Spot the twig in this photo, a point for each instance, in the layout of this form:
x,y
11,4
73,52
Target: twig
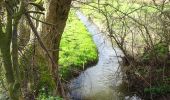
x,y
41,21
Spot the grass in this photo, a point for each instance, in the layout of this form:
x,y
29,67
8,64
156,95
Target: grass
x,y
77,47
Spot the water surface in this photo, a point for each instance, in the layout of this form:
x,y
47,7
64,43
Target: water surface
x,y
98,82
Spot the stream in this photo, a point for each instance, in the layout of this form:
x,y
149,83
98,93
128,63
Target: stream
x,y
98,82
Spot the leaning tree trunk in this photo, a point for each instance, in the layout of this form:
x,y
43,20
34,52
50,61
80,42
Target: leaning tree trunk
x,y
56,14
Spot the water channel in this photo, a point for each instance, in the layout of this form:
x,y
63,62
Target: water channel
x,y
98,82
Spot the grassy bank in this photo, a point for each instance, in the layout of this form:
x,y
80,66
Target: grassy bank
x,y
77,48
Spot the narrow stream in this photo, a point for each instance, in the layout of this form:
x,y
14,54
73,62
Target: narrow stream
x,y
98,82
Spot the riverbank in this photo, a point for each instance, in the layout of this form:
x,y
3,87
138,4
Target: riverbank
x,y
136,27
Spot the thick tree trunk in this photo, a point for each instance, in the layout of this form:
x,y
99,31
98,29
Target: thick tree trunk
x,y
56,13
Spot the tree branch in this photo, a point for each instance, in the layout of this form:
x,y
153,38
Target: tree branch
x,y
55,75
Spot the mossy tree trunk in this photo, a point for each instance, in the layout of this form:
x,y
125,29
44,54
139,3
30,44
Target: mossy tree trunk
x,y
5,42
56,13
8,37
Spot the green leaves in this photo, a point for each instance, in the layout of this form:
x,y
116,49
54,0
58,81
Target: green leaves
x,y
158,90
160,49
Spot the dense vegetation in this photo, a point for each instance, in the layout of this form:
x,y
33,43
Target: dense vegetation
x,y
140,29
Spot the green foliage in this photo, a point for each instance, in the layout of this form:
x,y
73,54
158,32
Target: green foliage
x,y
44,96
161,50
158,90
38,75
77,47
45,76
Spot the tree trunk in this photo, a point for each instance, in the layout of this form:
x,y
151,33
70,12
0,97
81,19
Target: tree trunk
x,y
6,55
10,61
56,14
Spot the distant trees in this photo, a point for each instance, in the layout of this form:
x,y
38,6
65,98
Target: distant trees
x,y
12,13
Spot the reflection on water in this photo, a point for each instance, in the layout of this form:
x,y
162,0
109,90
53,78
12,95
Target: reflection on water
x,y
98,82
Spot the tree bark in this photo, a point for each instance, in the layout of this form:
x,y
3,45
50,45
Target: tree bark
x,y
10,61
56,14
6,55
